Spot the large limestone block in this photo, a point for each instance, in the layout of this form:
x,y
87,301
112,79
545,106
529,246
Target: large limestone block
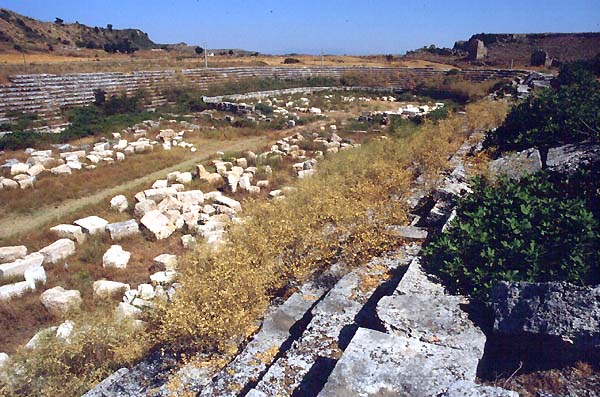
x,y
158,224
19,168
157,195
92,224
214,179
167,262
517,165
554,310
58,250
126,311
436,319
12,253
36,170
378,364
109,289
59,301
119,203
568,158
116,257
61,170
15,290
35,275
229,202
191,197
120,230
184,177
144,206
169,203
71,232
18,267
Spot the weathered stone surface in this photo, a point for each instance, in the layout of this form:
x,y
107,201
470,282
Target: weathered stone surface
x,y
158,224
71,232
116,257
119,203
18,267
191,197
36,170
144,206
433,319
3,360
167,262
58,251
64,331
61,170
12,253
516,165
126,311
568,158
120,230
169,203
109,289
19,168
34,276
463,388
378,364
10,291
229,202
158,195
59,301
188,241
163,277
92,224
556,309
184,177
416,281
409,232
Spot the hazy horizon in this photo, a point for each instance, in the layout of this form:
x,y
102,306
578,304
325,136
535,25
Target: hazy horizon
x,y
309,27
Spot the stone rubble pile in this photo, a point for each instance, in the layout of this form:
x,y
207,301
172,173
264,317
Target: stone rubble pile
x,y
64,159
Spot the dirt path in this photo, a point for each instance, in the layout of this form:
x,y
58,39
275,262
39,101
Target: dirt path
x,y
21,224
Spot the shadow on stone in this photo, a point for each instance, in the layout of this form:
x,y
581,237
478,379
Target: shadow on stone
x,y
315,379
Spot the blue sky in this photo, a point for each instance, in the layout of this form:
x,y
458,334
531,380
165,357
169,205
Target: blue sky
x,y
338,27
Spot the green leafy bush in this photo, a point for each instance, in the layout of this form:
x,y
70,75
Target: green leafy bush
x,y
566,115
527,230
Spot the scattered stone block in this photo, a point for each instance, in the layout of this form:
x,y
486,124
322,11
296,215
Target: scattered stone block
x,y
3,360
158,224
126,311
71,232
36,170
61,170
34,276
116,257
184,177
64,331
58,251
59,301
145,292
18,267
188,241
229,202
144,206
92,224
409,232
12,253
119,203
120,230
163,277
191,197
15,290
105,289
167,262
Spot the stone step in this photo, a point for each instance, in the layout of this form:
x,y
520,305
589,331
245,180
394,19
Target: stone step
x,y
305,366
